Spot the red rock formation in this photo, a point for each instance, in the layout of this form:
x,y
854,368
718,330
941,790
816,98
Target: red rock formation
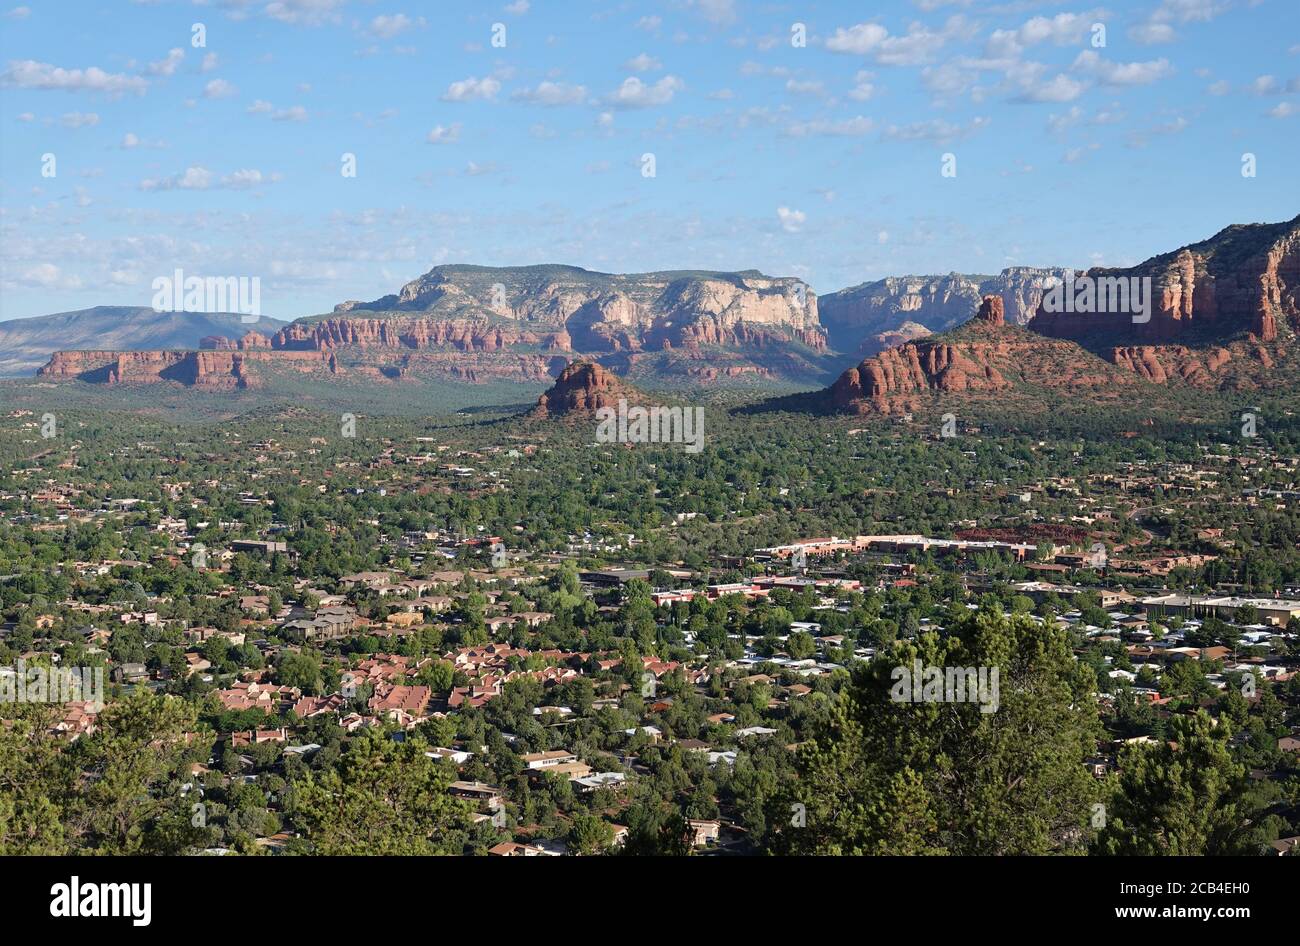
x,y
582,387
74,364
991,312
1245,280
251,341
413,334
211,369
982,358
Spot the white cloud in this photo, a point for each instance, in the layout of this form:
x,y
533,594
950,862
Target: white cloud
x,y
643,63
472,89
194,179
29,74
717,11
168,66
916,47
219,89
1222,87
947,79
1062,29
1109,72
305,12
1283,110
650,24
200,179
295,113
19,13
243,179
386,26
130,140
849,128
859,40
444,134
935,129
1060,88
1074,155
804,86
791,220
863,89
1151,34
209,62
1159,26
552,94
518,8
79,120
1060,123
634,93
42,276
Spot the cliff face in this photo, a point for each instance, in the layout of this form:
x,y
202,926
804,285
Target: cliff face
x,y
582,387
207,369
210,369
250,341
563,308
854,316
413,334
1223,315
1244,282
983,357
481,324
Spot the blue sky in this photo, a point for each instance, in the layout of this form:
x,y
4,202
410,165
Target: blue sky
x,y
821,161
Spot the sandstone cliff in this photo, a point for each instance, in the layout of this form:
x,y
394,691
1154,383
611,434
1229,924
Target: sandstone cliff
x,y
983,358
1243,282
209,369
564,308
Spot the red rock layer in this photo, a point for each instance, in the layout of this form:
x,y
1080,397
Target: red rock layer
x,y
414,334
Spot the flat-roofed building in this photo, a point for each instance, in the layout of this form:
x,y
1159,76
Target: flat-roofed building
x,y
1274,611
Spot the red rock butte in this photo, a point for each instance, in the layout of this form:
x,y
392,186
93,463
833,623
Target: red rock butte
x,y
991,312
583,387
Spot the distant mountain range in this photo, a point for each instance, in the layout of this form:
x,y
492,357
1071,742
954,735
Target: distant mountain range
x,y
1223,315
477,323
873,316
26,344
